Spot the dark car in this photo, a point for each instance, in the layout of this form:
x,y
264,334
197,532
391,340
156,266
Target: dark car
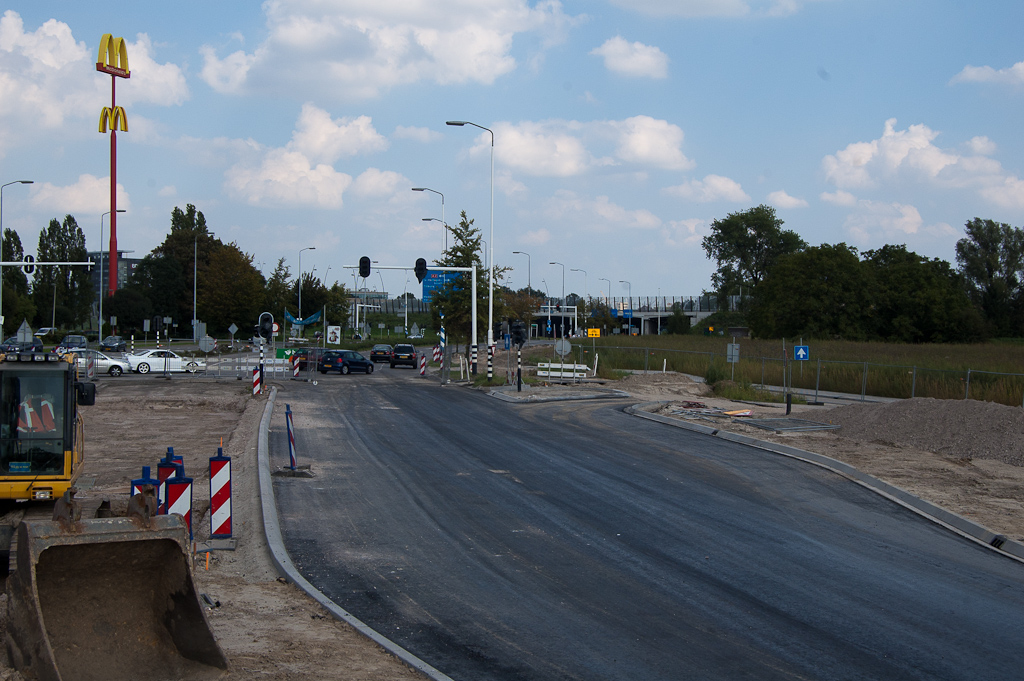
x,y
12,344
113,344
308,356
403,354
344,361
72,342
380,353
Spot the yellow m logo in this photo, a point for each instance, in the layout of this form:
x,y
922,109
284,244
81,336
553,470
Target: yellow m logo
x,y
113,119
113,56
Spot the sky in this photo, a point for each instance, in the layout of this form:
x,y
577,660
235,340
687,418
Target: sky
x,y
621,128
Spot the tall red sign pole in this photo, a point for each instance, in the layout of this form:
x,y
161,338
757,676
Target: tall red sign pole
x,y
113,59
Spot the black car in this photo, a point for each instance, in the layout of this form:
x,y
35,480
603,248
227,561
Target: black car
x,y
380,353
344,361
403,354
309,355
12,344
113,344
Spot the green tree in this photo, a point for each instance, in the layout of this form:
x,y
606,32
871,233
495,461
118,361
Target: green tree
x,y
337,302
454,298
679,322
62,286
130,307
279,292
231,290
745,246
990,258
160,279
520,305
17,303
820,292
917,300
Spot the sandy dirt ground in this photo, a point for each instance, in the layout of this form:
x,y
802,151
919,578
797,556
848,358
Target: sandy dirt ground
x,y
963,456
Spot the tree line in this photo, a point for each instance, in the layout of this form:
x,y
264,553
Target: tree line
x,y
191,262
787,288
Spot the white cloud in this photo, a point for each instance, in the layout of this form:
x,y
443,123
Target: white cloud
x,y
89,195
376,183
679,233
783,200
417,134
537,237
651,141
357,48
711,188
598,213
162,84
544,148
839,198
320,138
712,8
911,154
287,177
874,221
1014,75
633,59
168,190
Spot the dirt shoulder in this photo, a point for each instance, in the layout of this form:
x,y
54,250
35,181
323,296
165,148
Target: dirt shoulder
x,y
267,628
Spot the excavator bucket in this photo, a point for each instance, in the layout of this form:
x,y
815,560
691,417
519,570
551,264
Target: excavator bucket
x,y
108,598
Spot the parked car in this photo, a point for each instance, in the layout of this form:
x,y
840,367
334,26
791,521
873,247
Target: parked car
x,y
344,361
45,331
403,354
12,344
144,361
102,364
114,344
307,356
380,353
70,342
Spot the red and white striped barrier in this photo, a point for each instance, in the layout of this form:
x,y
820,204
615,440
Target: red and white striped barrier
x,y
255,381
437,353
423,365
179,499
295,366
139,483
220,496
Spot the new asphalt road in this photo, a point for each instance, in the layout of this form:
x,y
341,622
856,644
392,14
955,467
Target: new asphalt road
x,y
571,541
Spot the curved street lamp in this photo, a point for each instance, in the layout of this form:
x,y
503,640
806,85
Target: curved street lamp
x,y
444,227
490,271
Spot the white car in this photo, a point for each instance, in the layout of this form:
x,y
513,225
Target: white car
x,y
145,361
102,363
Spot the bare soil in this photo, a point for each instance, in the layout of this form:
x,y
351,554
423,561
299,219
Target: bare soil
x,y
964,456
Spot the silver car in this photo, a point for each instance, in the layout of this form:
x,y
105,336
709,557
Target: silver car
x,y
102,363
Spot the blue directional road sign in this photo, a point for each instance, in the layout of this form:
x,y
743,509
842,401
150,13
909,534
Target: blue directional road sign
x,y
508,341
628,314
801,353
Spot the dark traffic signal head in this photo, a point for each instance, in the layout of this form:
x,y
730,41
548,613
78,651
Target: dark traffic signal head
x,y
364,267
420,269
266,326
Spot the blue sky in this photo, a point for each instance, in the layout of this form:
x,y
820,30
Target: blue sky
x,y
623,128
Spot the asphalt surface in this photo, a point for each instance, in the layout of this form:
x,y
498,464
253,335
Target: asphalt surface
x,y
572,541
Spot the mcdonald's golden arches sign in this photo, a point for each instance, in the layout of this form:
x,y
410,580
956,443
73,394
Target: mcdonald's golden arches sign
x,y
113,56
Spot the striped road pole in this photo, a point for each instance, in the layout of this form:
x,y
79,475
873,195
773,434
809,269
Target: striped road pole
x,y
472,359
220,495
423,364
179,499
291,434
138,483
255,381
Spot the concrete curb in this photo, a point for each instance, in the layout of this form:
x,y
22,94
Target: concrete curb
x,y
957,523
283,561
612,394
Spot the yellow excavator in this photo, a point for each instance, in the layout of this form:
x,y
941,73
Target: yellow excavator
x,y
98,598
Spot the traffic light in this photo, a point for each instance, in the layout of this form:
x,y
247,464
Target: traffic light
x,y
420,269
518,333
266,325
364,267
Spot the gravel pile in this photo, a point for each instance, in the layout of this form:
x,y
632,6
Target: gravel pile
x,y
960,429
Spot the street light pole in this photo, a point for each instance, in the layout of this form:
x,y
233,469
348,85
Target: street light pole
x,y
1,237
629,287
444,226
607,299
490,271
528,287
308,248
561,318
586,297
99,332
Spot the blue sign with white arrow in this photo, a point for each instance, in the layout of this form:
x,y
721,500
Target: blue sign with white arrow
x,y
801,353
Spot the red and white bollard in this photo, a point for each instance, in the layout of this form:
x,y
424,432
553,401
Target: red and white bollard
x,y
138,483
255,381
295,366
437,353
220,496
179,499
423,365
